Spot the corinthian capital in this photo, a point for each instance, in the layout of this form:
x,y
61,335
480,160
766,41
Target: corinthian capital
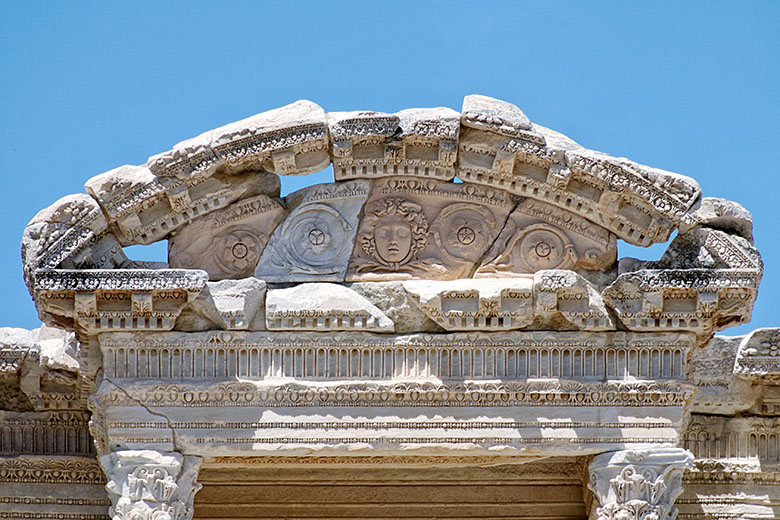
x,y
638,484
150,485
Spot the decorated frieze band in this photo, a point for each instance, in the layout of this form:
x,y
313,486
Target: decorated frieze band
x,y
259,356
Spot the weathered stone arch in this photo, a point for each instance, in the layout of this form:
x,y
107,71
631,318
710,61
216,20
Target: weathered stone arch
x,y
438,323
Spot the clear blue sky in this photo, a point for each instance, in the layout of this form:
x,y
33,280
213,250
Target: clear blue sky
x,y
690,87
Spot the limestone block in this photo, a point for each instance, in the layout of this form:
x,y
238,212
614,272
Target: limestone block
x,y
290,140
322,307
758,356
146,208
725,215
538,236
723,437
226,243
730,488
17,348
564,298
415,228
494,115
468,304
392,299
639,204
93,301
237,301
151,485
712,371
71,232
315,240
706,281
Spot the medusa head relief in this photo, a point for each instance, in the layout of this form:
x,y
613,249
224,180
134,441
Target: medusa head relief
x,y
395,232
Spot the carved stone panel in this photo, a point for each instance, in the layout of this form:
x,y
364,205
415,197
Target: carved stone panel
x,y
414,228
416,142
542,236
758,356
315,240
487,304
289,140
499,147
226,243
322,307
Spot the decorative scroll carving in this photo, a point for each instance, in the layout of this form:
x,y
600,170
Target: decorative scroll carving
x,y
322,307
51,470
415,228
417,142
638,484
97,301
317,236
150,485
226,243
541,236
543,393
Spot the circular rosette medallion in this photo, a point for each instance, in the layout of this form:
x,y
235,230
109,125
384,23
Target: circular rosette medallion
x,y
543,247
464,231
317,237
237,251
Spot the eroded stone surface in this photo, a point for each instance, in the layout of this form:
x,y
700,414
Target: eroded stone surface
x,y
485,304
290,140
725,215
315,240
565,297
227,243
322,307
539,236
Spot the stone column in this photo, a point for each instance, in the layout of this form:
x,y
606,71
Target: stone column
x,y
638,484
151,485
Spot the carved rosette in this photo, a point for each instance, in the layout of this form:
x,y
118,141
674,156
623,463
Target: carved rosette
x,y
151,485
638,484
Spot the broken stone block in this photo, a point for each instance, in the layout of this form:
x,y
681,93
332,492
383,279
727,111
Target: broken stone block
x,y
228,242
392,299
238,301
712,371
539,236
416,228
322,307
95,301
725,215
564,297
290,140
641,205
146,208
315,240
758,356
71,232
468,304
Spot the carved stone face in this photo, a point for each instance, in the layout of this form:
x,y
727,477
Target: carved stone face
x,y
393,236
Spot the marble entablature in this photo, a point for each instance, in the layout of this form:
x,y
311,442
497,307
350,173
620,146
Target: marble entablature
x,y
454,299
